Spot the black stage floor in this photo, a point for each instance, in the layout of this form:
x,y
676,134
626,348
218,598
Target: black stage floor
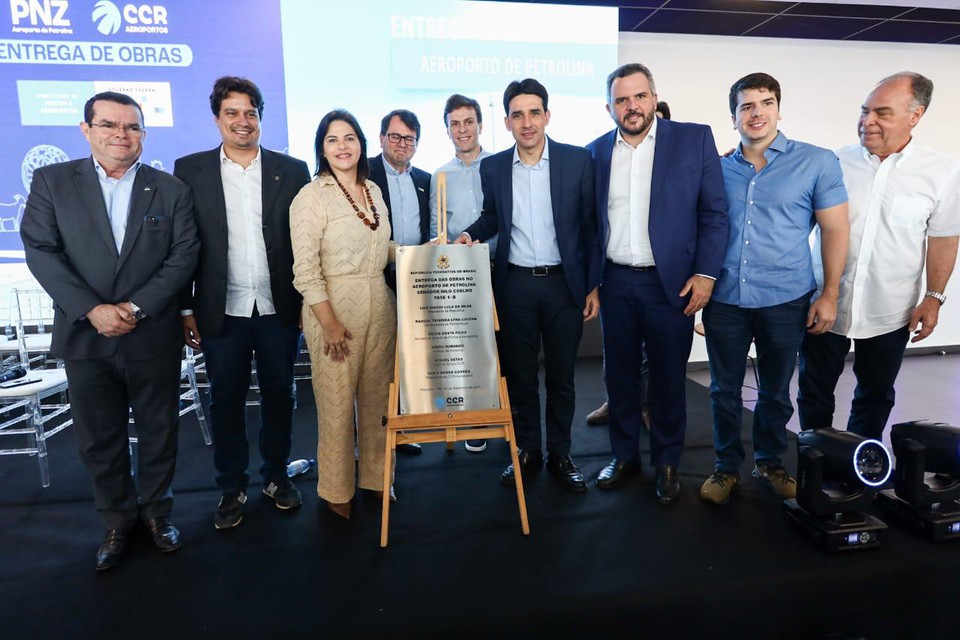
x,y
457,565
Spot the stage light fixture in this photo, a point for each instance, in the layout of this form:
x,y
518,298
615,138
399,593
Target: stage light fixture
x,y
926,494
838,475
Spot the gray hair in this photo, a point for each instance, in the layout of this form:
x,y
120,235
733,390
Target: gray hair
x,y
920,86
628,70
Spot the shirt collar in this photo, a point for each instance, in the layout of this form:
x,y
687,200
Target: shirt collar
x,y
652,134
102,173
778,146
898,157
543,158
393,172
480,156
224,159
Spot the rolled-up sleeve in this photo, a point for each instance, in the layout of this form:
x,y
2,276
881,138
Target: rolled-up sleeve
x,y
308,221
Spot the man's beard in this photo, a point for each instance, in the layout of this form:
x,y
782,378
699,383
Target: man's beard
x,y
644,125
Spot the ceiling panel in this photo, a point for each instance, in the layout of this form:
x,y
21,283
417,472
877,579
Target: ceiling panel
x,y
882,20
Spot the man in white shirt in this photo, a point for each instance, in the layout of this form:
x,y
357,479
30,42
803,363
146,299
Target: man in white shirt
x,y
662,224
241,302
904,227
464,122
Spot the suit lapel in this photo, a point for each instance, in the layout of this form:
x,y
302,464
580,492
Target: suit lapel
x,y
661,165
144,188
271,179
212,189
506,196
556,182
91,198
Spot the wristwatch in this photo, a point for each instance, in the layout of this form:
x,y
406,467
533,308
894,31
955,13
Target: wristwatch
x,y
138,313
936,295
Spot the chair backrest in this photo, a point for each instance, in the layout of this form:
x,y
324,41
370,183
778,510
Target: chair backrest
x,y
32,308
32,314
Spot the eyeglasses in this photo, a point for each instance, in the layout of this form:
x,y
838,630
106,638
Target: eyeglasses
x,y
395,138
132,129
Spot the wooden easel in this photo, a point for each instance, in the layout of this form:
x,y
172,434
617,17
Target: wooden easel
x,y
450,426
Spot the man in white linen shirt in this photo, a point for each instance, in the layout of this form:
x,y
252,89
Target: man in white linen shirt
x,y
904,226
241,302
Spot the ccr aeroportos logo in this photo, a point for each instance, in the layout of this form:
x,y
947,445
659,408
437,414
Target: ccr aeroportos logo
x,y
135,18
106,17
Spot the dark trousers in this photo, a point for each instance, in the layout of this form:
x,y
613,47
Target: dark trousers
x,y
103,391
228,358
876,364
535,309
777,331
636,314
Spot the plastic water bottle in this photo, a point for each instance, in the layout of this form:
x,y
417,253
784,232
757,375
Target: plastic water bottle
x,y
297,467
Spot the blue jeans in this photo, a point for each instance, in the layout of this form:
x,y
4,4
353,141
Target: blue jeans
x,y
228,358
876,364
777,332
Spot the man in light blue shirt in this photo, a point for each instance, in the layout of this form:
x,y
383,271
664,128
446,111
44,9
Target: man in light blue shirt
x,y
539,197
406,191
464,122
777,189
405,188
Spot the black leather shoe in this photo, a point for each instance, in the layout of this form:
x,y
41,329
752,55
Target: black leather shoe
x,y
530,463
111,551
667,487
165,535
564,469
617,473
410,448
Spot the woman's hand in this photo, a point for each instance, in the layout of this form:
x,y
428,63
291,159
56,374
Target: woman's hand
x,y
335,341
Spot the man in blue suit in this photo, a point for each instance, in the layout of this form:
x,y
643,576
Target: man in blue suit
x,y
662,217
539,196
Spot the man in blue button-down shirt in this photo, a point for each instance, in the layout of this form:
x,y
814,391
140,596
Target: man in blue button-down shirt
x,y
776,189
539,196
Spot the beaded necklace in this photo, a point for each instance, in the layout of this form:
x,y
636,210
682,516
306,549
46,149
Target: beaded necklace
x,y
346,194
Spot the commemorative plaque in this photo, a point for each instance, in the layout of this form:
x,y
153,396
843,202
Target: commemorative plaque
x,y
445,335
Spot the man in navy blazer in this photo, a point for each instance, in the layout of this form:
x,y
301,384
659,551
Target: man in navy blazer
x,y
398,179
539,196
241,303
406,192
663,225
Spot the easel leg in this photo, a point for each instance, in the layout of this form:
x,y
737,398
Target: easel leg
x,y
387,473
518,481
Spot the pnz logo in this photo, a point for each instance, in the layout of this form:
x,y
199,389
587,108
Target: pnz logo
x,y
49,13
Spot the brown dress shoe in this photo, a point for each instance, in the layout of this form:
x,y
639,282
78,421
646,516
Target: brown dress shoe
x,y
379,495
342,509
600,415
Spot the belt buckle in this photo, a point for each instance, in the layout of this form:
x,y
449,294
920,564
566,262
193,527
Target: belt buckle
x,y
540,271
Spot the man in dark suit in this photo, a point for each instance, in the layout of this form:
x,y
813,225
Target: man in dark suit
x,y
663,225
241,303
406,191
539,196
113,242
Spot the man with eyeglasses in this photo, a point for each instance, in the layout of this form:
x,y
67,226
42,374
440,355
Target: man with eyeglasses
x,y
406,191
241,304
113,241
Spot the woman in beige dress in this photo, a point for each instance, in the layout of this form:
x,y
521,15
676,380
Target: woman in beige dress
x,y
341,244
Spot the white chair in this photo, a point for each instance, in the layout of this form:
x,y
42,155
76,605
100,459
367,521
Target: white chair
x,y
24,409
189,401
190,393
